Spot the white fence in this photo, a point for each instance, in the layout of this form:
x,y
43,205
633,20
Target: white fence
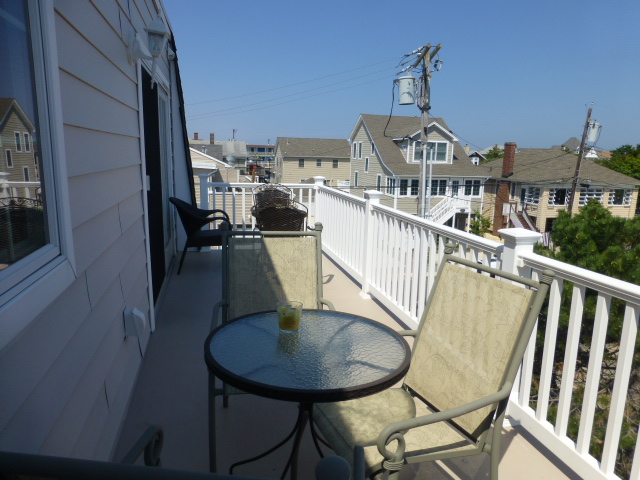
x,y
563,386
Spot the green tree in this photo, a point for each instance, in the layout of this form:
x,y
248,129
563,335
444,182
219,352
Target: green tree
x,y
625,159
479,225
494,154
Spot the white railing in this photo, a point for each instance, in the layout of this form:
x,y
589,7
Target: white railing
x,y
562,386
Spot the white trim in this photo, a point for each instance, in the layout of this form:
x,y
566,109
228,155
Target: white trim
x,y
42,276
145,205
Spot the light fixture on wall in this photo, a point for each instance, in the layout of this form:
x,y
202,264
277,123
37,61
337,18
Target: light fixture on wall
x,y
152,49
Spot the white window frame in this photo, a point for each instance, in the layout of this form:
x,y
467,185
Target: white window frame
x,y
391,186
531,195
413,187
366,165
354,152
553,193
359,149
472,184
25,174
48,271
626,197
455,188
27,142
590,193
17,137
373,148
440,188
413,152
431,152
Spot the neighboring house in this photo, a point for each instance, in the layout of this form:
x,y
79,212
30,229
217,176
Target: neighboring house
x,y
538,182
208,147
298,160
19,174
261,152
386,155
477,157
216,170
572,145
112,148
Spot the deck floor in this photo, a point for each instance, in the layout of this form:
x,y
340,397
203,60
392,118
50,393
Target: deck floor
x,y
171,391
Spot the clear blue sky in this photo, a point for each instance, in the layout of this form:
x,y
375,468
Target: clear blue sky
x,y
519,71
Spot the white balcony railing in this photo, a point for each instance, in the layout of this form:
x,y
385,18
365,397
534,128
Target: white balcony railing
x,y
562,396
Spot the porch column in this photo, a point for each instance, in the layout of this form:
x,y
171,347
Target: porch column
x,y
204,190
373,198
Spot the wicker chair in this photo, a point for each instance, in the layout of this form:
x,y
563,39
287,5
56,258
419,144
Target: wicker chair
x,y
280,215
273,194
193,219
466,353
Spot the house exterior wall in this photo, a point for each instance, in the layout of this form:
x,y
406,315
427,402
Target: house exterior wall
x,y
66,358
367,179
288,170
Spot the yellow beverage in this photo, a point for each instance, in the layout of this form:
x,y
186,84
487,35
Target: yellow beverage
x,y
289,314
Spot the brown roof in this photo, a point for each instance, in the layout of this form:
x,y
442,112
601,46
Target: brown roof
x,y
546,166
391,156
313,147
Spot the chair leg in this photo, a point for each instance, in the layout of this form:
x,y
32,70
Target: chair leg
x,y
184,252
212,425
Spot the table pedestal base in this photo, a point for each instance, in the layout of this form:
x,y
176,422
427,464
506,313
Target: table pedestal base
x,y
305,415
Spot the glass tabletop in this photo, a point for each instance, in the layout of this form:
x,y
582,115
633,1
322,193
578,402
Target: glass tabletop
x,y
332,356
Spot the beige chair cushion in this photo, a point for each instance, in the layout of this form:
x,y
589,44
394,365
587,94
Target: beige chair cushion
x,y
467,341
360,421
265,270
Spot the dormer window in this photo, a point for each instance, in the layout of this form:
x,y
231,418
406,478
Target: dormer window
x,y
437,152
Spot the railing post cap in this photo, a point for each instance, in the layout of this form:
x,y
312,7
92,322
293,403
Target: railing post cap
x,y
319,180
373,194
519,236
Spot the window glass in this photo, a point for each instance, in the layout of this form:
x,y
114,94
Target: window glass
x,y
437,151
319,162
455,186
378,182
558,196
335,164
403,187
22,207
591,193
620,196
414,187
366,164
532,195
355,179
417,151
472,188
438,187
391,186
301,163
373,148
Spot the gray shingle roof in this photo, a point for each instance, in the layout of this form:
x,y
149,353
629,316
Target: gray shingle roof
x,y
545,166
313,147
391,155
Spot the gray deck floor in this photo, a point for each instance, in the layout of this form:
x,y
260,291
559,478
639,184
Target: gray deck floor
x,y
171,391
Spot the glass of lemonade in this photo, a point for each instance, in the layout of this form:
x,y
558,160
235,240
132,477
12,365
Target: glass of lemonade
x,y
289,313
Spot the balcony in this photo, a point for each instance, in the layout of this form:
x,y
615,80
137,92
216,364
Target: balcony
x,y
379,263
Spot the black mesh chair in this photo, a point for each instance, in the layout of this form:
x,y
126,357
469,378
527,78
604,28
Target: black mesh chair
x,y
193,219
273,194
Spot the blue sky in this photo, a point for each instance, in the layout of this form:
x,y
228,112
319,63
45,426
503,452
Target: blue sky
x,y
519,71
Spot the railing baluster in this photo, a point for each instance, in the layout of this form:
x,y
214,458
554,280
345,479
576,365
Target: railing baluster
x,y
548,352
570,357
593,374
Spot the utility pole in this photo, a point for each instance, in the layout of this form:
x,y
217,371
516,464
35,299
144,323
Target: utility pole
x,y
574,185
425,57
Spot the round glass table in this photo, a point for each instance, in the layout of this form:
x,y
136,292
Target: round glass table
x,y
333,356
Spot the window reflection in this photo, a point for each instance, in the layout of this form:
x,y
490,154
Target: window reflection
x,y
22,210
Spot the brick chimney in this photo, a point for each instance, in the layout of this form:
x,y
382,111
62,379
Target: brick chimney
x,y
195,136
212,138
502,195
509,158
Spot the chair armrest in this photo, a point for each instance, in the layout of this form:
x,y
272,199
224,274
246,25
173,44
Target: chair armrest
x,y
396,429
408,333
326,302
150,443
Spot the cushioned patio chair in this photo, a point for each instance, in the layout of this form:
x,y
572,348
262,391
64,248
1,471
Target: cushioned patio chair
x,y
193,219
258,270
466,353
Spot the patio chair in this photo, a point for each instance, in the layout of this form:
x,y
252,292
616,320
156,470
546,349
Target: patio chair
x,y
258,270
280,215
272,192
193,219
466,353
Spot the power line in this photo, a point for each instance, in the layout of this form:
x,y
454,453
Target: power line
x,y
200,115
292,84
